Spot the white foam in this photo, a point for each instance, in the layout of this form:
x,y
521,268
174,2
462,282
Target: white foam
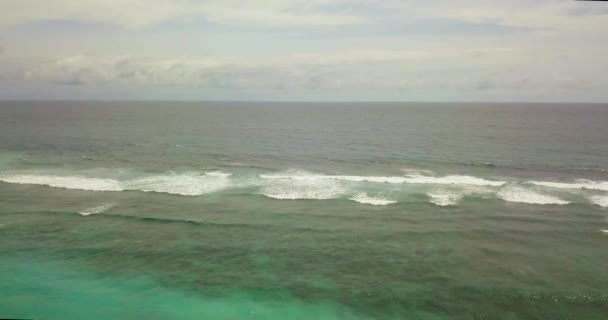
x,y
601,201
362,197
66,182
604,231
523,195
218,174
417,171
303,189
97,209
453,180
445,198
181,184
413,179
189,184
580,184
318,177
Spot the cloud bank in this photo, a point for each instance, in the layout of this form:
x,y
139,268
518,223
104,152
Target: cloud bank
x,y
311,50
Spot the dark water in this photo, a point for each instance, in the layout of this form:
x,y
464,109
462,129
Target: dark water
x,y
166,210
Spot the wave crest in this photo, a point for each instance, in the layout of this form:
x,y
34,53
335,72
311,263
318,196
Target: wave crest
x,y
601,201
363,198
182,184
66,182
453,180
412,178
523,195
303,189
97,209
190,184
444,199
580,184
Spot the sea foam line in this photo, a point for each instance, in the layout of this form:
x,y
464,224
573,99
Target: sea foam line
x,y
66,182
523,195
444,199
580,184
97,209
305,189
189,184
601,201
363,198
412,179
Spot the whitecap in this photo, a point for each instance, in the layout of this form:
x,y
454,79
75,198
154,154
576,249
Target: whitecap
x,y
218,174
412,179
362,197
189,184
319,177
97,209
580,184
523,195
601,201
181,184
604,231
303,189
66,182
410,171
444,198
453,180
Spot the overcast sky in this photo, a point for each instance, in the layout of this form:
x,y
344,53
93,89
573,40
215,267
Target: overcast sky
x,y
349,50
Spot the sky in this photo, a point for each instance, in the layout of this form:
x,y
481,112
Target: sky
x,y
305,50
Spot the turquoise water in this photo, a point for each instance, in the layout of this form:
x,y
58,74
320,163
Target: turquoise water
x,y
303,211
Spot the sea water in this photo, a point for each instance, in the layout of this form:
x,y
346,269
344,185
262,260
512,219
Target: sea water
x,y
175,210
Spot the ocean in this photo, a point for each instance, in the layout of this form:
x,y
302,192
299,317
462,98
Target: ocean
x,y
268,210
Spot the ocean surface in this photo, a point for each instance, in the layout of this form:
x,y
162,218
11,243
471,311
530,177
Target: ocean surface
x,y
173,210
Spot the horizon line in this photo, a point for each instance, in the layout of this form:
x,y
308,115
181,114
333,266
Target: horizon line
x,y
300,101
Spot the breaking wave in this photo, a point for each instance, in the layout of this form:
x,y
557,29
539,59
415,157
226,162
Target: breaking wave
x,y
362,197
66,182
453,180
190,184
412,179
97,209
444,199
523,195
446,190
182,184
303,189
580,184
601,201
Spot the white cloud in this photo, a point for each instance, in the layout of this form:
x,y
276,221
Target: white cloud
x,y
540,14
141,13
558,52
482,69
